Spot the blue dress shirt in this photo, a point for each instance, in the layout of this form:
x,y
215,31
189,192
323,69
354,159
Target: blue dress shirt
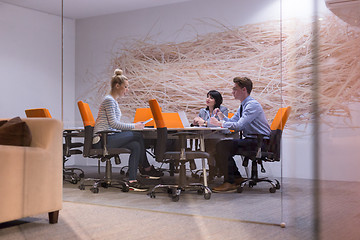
x,y
252,121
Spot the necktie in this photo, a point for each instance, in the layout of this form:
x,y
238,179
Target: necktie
x,y
241,110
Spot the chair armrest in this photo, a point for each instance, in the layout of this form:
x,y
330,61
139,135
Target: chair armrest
x,y
260,138
104,135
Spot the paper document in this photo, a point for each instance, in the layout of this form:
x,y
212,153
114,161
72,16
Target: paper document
x,y
147,121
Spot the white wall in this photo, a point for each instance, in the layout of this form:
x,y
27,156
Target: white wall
x,y
30,60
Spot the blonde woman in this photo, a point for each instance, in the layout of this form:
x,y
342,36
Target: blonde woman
x,y
109,118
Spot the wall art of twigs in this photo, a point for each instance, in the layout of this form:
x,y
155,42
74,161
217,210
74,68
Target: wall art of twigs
x,y
279,61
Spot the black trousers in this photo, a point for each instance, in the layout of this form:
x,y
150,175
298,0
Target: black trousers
x,y
226,149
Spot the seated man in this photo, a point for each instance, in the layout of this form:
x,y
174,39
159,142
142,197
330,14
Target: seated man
x,y
250,119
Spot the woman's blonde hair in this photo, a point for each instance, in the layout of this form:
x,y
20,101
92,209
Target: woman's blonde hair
x,y
117,78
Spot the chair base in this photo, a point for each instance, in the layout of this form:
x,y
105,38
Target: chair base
x,y
71,176
174,191
253,181
105,183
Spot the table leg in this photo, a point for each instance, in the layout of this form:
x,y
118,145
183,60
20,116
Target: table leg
x,y
182,171
202,148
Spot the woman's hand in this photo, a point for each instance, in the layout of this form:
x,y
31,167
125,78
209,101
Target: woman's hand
x,y
198,121
218,113
139,125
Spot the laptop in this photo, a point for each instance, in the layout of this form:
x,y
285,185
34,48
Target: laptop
x,y
184,119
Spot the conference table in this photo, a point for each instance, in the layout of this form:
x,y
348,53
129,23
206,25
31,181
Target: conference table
x,y
200,133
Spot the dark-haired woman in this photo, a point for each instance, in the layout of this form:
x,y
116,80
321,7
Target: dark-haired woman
x,y
213,101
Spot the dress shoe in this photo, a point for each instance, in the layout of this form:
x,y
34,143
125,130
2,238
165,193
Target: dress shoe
x,y
225,187
212,173
239,180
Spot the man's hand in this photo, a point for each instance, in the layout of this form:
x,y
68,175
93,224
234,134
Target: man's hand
x,y
215,122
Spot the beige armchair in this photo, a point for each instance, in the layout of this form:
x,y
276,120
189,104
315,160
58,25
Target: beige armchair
x,y
31,177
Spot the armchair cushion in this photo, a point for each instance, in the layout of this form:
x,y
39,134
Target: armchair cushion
x,y
15,132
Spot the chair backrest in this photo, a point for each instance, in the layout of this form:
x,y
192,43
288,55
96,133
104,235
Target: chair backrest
x,y
172,120
143,114
38,112
86,114
161,130
157,114
280,118
168,120
274,144
277,127
89,123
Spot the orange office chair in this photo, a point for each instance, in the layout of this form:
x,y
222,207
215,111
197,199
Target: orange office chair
x,y
178,157
172,119
38,112
103,154
270,154
69,148
143,114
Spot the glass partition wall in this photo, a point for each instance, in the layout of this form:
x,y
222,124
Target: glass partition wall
x,y
177,56
303,56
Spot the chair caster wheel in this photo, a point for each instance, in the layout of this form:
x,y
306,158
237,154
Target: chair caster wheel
x,y
82,187
152,195
207,196
175,198
94,190
74,180
277,184
272,190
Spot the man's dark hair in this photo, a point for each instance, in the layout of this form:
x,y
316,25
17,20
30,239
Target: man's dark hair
x,y
244,82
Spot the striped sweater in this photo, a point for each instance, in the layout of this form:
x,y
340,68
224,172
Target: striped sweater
x,y
109,118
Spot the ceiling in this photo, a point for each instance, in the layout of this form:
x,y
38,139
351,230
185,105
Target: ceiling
x,y
347,10
77,9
